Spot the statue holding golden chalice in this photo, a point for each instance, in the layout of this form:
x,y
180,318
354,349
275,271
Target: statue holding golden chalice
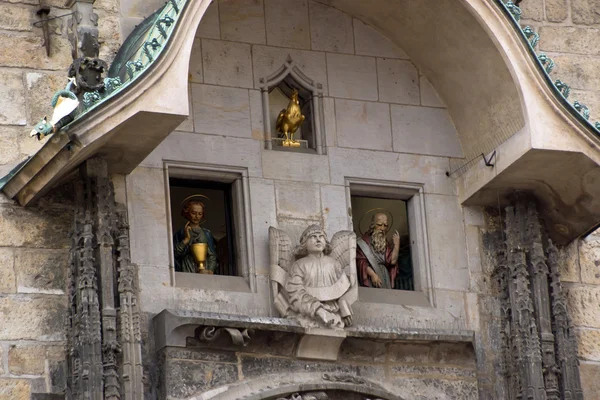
x,y
194,246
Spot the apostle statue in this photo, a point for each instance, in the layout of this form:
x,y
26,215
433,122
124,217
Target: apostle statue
x,y
191,233
315,283
376,257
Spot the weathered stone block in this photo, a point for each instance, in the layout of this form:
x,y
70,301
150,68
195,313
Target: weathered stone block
x,y
26,359
287,23
429,96
107,5
589,379
585,12
447,247
211,149
253,367
221,110
227,63
295,166
209,25
569,39
360,350
589,260
9,143
41,270
424,130
29,52
568,262
369,42
440,353
32,317
557,10
109,29
243,21
257,115
583,305
354,121
186,378
267,60
7,271
533,9
188,124
352,77
578,71
195,74
298,200
386,165
12,103
142,9
335,209
429,388
398,81
16,18
30,227
588,341
208,354
264,215
14,389
40,89
330,29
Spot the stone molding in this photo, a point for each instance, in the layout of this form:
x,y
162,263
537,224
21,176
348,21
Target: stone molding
x,y
173,327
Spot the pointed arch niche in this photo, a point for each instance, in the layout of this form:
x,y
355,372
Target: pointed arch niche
x,y
276,90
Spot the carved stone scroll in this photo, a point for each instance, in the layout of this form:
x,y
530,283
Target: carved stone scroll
x,y
103,326
239,337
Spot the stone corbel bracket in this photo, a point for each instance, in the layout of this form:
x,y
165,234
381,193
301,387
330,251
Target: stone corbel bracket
x,y
239,336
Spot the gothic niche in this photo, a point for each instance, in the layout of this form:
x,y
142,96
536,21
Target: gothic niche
x,y
283,92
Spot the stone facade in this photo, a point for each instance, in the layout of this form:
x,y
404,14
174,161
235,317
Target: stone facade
x,y
369,85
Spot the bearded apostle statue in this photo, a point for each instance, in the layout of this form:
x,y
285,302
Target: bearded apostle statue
x,y
315,281
377,257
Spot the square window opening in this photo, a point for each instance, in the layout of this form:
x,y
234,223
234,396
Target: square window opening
x,y
205,209
384,251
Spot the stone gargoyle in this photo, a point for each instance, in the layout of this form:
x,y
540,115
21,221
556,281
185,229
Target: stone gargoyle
x,y
314,282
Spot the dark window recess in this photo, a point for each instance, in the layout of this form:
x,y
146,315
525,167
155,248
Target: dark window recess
x,y
216,223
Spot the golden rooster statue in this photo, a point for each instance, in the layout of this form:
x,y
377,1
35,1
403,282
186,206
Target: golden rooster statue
x,y
289,120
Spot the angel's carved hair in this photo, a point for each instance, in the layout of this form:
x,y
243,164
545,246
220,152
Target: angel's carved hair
x,y
302,251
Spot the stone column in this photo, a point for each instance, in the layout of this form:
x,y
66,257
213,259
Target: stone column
x,y
104,363
83,29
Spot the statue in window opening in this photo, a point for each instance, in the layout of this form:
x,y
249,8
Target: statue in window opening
x,y
190,234
376,257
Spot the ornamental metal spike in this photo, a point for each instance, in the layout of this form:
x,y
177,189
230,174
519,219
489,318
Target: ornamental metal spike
x,y
531,36
514,10
546,62
133,67
597,125
582,109
175,6
563,88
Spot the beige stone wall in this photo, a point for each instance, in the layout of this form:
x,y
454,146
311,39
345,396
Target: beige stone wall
x,y
383,121
570,34
34,242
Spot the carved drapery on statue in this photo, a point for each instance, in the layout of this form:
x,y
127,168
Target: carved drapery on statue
x,y
103,331
540,349
315,282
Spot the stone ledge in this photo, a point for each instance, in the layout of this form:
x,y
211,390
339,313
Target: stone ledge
x,y
172,327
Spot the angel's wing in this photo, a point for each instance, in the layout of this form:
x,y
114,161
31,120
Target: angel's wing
x,y
343,249
281,248
281,252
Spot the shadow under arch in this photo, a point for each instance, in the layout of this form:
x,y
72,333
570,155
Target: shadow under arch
x,y
272,387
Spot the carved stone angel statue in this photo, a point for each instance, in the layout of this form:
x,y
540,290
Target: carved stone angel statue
x,y
314,283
